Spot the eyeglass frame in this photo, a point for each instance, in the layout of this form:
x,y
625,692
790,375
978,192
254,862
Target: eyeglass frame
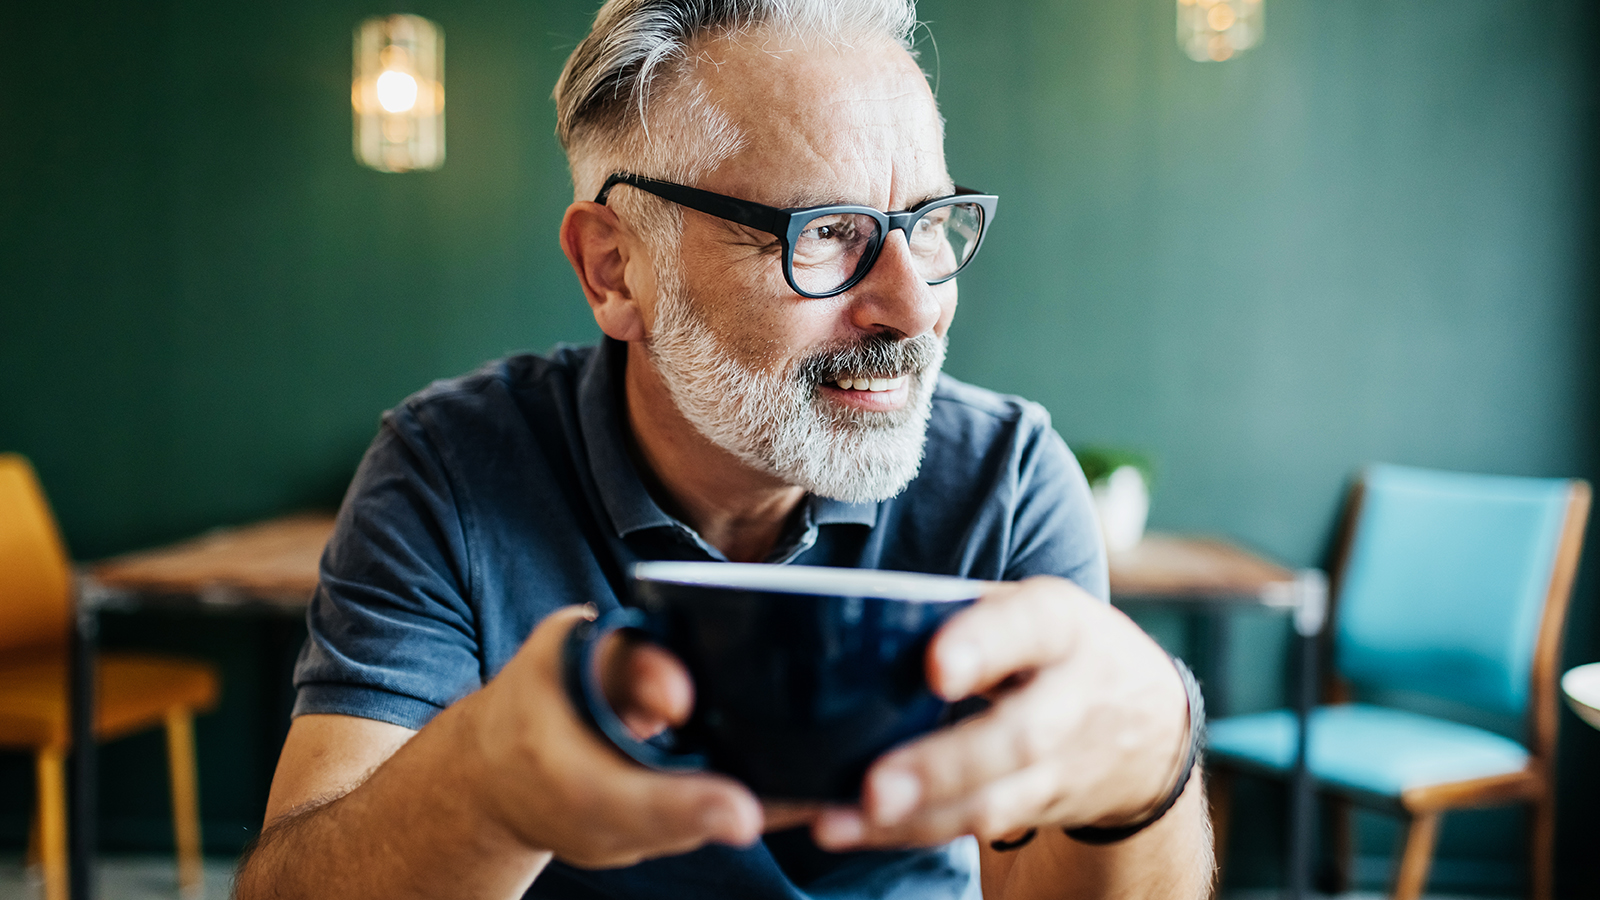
x,y
787,224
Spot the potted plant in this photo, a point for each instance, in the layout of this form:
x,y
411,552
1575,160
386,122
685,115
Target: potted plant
x,y
1119,480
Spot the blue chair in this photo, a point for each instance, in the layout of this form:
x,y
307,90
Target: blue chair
x,y
1450,590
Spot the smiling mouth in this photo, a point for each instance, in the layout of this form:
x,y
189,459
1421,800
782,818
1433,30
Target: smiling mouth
x,y
870,383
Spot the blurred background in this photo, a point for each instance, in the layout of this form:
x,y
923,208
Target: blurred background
x,y
1372,237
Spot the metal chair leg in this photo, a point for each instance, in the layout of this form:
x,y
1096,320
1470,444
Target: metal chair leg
x,y
1343,840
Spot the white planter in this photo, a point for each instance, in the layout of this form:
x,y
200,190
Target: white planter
x,y
1123,502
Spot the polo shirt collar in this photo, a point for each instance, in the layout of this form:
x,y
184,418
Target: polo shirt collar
x,y
603,418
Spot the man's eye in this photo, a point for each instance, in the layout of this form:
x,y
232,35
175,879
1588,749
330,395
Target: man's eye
x,y
928,236
828,231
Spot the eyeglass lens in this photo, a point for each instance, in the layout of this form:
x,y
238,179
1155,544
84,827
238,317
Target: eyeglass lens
x,y
831,247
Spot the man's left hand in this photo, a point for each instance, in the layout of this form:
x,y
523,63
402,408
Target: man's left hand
x,y
1088,726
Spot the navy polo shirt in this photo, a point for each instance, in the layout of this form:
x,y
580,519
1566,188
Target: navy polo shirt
x,y
488,501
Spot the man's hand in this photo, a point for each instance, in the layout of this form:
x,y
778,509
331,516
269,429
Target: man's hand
x,y
476,803
1088,727
554,784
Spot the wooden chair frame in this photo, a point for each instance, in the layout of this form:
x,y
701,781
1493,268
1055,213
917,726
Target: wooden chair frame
x,y
1421,808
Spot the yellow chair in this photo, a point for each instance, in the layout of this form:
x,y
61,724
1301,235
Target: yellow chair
x,y
132,691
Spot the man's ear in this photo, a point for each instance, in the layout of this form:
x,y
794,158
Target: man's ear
x,y
612,266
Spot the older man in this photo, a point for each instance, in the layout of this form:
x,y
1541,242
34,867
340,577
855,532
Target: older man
x,y
766,232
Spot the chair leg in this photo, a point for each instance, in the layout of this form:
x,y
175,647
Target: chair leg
x,y
1343,839
185,801
52,822
1542,847
1219,794
1417,857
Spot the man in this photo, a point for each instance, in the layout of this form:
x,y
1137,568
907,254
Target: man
x,y
760,396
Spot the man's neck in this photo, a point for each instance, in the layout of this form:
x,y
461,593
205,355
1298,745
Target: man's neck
x,y
739,510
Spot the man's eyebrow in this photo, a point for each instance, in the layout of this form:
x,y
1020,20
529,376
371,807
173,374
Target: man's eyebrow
x,y
795,201
946,191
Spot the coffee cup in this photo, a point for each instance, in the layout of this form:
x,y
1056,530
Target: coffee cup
x,y
802,675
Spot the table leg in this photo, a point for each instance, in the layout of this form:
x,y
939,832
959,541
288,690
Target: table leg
x,y
1302,800
280,641
1310,612
84,812
1216,636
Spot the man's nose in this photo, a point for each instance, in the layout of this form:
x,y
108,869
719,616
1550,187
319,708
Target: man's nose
x,y
894,296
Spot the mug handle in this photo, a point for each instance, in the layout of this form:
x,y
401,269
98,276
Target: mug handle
x,y
583,689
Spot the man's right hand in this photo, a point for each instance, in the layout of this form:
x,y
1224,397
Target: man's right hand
x,y
547,778
476,803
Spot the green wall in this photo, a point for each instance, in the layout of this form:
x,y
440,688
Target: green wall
x,y
1371,238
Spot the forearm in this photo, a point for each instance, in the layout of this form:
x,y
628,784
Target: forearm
x,y
1170,860
414,828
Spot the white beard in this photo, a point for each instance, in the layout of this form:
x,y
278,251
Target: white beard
x,y
776,423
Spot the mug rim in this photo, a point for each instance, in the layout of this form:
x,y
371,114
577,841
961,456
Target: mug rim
x,y
828,581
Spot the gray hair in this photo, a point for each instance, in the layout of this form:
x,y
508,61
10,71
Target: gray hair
x,y
636,54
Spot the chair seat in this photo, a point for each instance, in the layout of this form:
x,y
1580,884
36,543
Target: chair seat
x,y
132,692
1373,749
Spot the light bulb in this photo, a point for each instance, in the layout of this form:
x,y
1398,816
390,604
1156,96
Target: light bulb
x,y
397,91
397,94
1217,30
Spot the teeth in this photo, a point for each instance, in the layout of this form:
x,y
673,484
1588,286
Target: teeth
x,y
865,383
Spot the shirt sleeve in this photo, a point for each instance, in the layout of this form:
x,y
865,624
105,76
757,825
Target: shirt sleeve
x,y
1054,529
392,631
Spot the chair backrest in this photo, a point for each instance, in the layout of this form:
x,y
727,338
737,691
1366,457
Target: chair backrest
x,y
35,573
1446,582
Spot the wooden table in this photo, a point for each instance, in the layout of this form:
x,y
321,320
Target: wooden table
x,y
1168,568
271,566
1208,575
267,569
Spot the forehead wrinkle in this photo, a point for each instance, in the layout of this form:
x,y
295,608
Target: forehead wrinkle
x,y
824,127
872,151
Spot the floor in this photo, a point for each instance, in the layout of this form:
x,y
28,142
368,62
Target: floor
x,y
154,878
124,878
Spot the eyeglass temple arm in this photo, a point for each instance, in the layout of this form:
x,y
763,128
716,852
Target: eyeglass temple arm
x,y
744,212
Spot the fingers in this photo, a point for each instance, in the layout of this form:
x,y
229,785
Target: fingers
x,y
623,813
988,775
670,814
646,685
565,789
1086,727
780,815
1025,728
1004,806
1014,628
636,814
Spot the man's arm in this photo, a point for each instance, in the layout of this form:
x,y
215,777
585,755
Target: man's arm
x,y
1088,726
479,801
358,810
1170,859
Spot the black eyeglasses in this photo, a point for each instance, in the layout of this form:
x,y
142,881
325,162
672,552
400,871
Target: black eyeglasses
x,y
828,249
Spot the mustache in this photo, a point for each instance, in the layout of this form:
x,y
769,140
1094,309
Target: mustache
x,y
877,356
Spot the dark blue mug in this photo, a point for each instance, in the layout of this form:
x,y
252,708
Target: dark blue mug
x,y
802,675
